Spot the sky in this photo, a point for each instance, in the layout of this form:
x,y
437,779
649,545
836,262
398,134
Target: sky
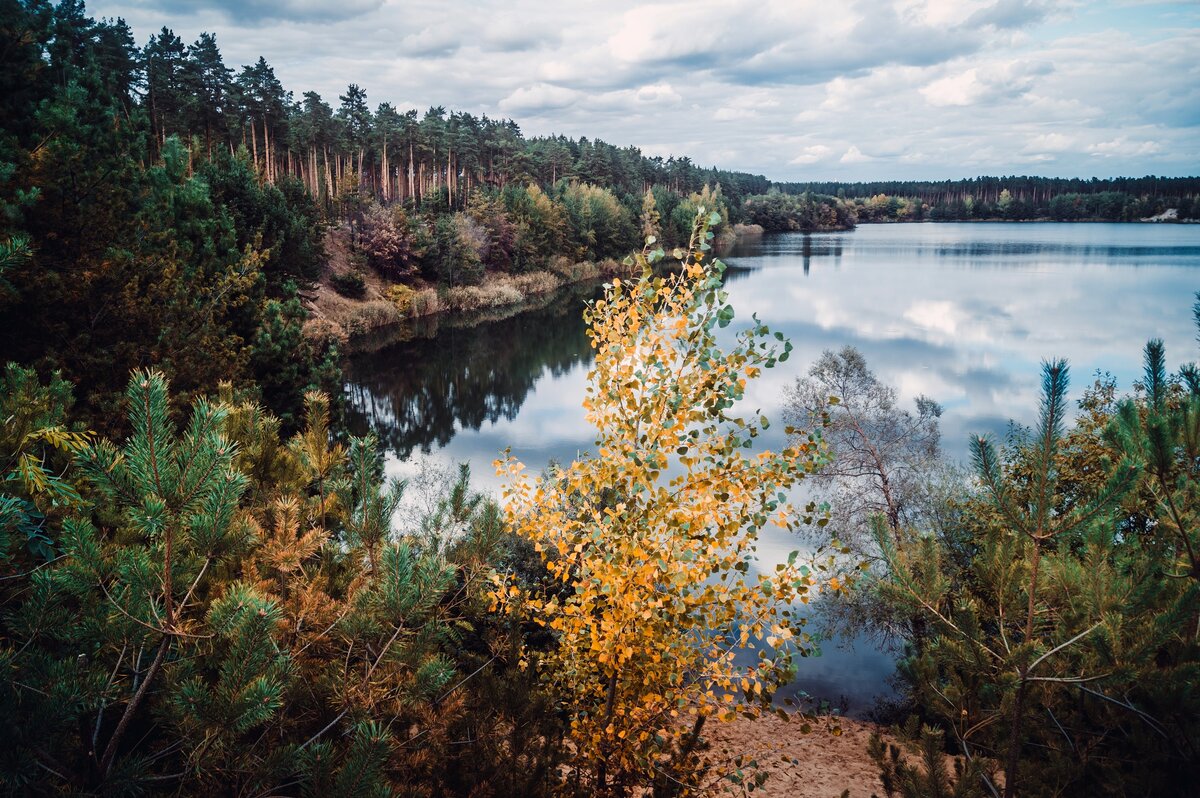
x,y
792,89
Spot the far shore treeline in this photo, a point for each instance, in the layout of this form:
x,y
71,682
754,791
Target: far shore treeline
x,y
1013,198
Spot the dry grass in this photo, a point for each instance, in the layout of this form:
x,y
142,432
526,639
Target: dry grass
x,y
369,315
493,294
748,230
537,283
426,302
320,330
504,290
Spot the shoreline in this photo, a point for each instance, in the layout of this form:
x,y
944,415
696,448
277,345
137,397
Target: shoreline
x,y
362,324
1028,221
391,311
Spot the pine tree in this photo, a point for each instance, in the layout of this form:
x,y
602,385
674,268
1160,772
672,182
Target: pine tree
x,y
1054,645
164,63
238,615
208,88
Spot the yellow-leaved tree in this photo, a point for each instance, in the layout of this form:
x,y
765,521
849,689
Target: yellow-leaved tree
x,y
650,542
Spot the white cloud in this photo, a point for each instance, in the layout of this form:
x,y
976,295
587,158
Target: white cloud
x,y
1124,146
540,97
961,89
855,155
1052,142
658,94
985,83
813,154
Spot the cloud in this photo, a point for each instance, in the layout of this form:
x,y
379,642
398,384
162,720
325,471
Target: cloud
x,y
1051,142
854,155
987,83
813,154
539,97
726,114
1124,147
961,89
429,42
658,94
262,10
519,35
1011,14
701,35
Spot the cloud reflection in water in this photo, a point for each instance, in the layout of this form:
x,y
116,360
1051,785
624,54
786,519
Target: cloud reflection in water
x,y
961,312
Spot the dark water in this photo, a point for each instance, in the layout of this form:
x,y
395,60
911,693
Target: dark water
x,y
961,312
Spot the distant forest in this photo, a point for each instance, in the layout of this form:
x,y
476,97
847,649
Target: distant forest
x,y
1119,199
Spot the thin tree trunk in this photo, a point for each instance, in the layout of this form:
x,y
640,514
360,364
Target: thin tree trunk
x,y
267,150
412,192
254,141
1018,720
387,178
329,194
609,705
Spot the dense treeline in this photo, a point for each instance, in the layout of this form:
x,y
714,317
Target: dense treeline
x,y
1120,199
121,250
439,156
778,212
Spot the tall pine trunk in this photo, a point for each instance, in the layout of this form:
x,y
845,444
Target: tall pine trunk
x,y
387,178
254,141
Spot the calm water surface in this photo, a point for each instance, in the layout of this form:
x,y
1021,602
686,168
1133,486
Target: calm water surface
x,y
961,312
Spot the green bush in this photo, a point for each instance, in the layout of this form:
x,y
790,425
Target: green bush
x,y
349,284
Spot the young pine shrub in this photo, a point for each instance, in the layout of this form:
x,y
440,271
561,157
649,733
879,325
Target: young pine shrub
x,y
930,778
350,284
1053,643
235,615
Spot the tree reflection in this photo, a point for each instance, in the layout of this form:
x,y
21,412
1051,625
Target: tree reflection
x,y
417,393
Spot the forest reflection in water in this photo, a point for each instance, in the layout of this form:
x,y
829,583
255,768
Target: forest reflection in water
x,y
436,378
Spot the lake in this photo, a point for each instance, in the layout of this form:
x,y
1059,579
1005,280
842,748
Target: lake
x,y
963,313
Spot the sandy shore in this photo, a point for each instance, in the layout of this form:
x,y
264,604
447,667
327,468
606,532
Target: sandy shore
x,y
825,764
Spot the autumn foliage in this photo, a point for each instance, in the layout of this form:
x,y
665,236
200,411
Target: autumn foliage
x,y
650,542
